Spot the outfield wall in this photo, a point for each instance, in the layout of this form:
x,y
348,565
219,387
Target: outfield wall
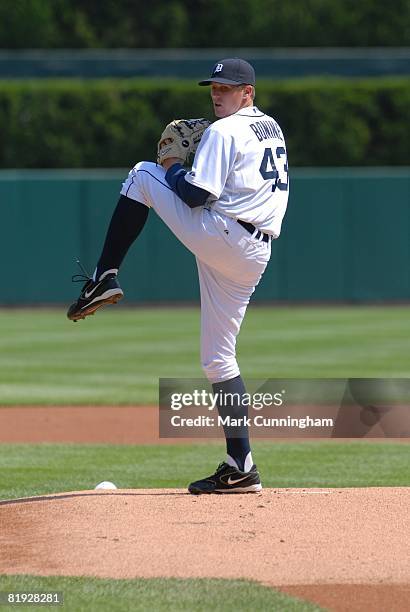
x,y
188,63
345,238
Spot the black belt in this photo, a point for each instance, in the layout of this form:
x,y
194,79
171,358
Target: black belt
x,y
251,229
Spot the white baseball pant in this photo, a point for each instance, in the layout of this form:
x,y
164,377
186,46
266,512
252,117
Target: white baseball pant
x,y
230,264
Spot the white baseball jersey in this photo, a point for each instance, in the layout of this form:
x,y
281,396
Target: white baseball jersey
x,y
241,160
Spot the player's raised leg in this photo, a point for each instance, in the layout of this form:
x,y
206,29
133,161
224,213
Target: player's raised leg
x,y
102,288
144,188
146,183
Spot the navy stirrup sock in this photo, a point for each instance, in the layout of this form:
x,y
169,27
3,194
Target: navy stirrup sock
x,y
127,221
237,438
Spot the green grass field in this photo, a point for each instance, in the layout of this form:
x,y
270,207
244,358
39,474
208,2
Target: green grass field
x,y
28,469
118,356
156,594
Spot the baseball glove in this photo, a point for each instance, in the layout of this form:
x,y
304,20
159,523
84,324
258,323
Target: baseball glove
x,y
181,138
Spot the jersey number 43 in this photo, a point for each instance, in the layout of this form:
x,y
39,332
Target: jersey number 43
x,y
269,168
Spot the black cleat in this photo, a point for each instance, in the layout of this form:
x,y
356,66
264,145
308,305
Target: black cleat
x,y
94,295
228,479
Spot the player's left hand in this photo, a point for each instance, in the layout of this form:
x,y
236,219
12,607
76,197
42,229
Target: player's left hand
x,y
181,138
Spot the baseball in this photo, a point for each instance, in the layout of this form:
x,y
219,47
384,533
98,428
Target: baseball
x,y
106,484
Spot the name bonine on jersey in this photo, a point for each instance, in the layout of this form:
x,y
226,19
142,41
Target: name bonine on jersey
x,y
266,129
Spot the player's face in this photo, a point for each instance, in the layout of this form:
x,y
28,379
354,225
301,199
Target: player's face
x,y
228,99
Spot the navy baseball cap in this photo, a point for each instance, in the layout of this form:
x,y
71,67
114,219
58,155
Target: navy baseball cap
x,y
232,71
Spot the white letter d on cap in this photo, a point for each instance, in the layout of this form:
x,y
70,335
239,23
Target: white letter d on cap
x,y
218,68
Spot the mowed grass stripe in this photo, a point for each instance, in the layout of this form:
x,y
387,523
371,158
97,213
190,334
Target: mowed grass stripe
x,y
28,469
117,356
159,594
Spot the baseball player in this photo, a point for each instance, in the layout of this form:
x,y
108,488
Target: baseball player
x,y
226,210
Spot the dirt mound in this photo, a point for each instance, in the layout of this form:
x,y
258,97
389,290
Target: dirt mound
x,y
316,543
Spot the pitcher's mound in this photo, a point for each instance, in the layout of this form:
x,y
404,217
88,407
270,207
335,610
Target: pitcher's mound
x,y
332,546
